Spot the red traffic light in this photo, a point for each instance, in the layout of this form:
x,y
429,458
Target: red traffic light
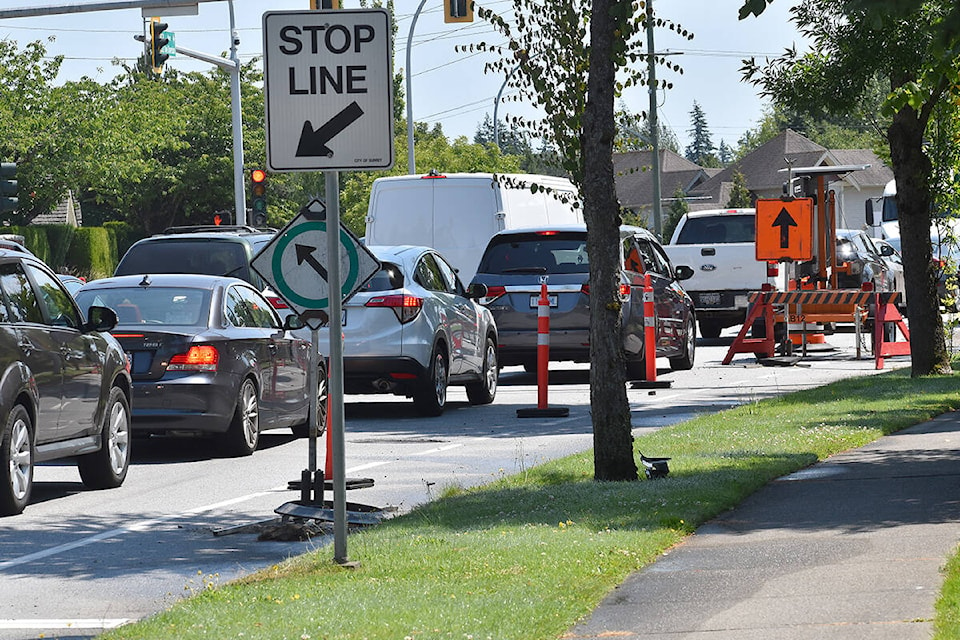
x,y
258,175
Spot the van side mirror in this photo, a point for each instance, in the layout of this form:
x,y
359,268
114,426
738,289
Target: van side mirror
x,y
682,272
868,210
476,290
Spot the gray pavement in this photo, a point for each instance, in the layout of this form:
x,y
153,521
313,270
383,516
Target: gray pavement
x,y
849,548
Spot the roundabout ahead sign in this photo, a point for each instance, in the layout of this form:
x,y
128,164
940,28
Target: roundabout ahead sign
x,y
295,264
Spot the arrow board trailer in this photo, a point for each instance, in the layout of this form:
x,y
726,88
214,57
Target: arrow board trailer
x,y
328,90
295,264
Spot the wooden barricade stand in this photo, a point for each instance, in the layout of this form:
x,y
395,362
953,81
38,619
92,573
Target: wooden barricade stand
x,y
887,312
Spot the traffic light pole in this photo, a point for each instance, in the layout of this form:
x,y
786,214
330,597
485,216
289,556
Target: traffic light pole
x,y
233,67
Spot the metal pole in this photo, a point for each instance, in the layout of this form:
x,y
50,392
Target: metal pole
x,y
411,165
239,195
335,389
654,133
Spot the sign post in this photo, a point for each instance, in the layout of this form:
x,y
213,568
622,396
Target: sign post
x,y
328,87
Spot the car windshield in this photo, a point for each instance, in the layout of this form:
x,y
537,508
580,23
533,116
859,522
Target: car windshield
x,y
158,306
543,252
718,230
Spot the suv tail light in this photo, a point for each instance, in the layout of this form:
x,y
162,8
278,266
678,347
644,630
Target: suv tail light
x,y
197,358
405,307
624,290
277,302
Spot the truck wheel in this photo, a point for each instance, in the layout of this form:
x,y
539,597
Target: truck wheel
x,y
710,329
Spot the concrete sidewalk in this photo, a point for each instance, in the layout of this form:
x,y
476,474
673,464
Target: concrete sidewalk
x,y
849,548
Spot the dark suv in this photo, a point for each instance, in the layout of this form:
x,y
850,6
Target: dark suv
x,y
208,250
66,385
515,261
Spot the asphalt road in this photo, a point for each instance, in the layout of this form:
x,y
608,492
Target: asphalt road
x,y
76,561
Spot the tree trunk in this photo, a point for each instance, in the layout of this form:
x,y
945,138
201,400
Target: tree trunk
x,y
912,169
612,430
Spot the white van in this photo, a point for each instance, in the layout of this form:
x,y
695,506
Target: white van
x,y
458,213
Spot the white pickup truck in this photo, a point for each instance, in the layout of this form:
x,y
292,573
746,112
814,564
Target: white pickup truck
x,y
719,245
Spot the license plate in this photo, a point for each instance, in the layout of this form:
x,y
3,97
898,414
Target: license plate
x,y
709,299
535,301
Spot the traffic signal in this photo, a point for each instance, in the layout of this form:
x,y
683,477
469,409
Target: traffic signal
x,y
324,4
157,42
8,187
258,194
458,10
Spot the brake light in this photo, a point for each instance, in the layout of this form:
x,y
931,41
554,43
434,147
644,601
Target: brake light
x,y
546,233
623,290
127,335
197,358
773,269
493,293
277,302
405,307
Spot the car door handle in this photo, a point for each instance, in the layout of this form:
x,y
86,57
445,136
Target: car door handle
x,y
26,346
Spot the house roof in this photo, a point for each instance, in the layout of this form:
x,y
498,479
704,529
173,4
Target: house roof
x,y
876,175
634,177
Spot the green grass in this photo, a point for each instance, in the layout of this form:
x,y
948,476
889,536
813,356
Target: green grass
x,y
529,555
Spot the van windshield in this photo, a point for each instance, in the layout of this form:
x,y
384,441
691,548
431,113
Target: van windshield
x,y
718,230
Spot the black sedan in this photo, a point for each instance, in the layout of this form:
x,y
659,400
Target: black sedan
x,y
66,388
208,355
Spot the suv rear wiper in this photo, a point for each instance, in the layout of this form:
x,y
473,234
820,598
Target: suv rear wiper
x,y
524,270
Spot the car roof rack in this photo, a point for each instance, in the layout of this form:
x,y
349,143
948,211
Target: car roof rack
x,y
207,228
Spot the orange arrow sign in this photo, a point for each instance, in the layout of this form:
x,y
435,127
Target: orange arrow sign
x,y
785,229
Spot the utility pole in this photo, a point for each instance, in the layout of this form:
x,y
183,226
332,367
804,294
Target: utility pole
x,y
654,127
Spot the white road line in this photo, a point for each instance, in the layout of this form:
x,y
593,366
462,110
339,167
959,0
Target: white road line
x,y
64,623
113,533
149,523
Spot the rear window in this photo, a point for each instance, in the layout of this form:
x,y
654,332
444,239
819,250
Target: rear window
x,y
206,256
154,306
718,230
561,252
389,277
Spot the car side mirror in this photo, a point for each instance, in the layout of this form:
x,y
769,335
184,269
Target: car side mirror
x,y
682,272
868,212
100,319
886,250
477,290
293,322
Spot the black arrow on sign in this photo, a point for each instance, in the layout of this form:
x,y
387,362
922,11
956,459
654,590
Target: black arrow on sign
x,y
314,143
784,221
305,254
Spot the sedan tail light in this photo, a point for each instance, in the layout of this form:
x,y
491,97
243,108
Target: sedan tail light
x,y
405,307
197,358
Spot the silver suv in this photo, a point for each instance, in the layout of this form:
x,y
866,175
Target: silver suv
x,y
515,261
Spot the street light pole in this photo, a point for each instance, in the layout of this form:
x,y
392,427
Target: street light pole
x,y
411,164
239,195
652,119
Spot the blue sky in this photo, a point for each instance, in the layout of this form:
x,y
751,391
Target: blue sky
x,y
449,88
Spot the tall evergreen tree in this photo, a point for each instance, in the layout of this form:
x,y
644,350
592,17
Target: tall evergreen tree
x,y
700,149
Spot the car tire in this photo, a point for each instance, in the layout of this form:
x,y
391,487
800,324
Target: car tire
x,y
243,435
107,468
636,368
710,329
485,390
430,399
16,462
302,430
685,361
